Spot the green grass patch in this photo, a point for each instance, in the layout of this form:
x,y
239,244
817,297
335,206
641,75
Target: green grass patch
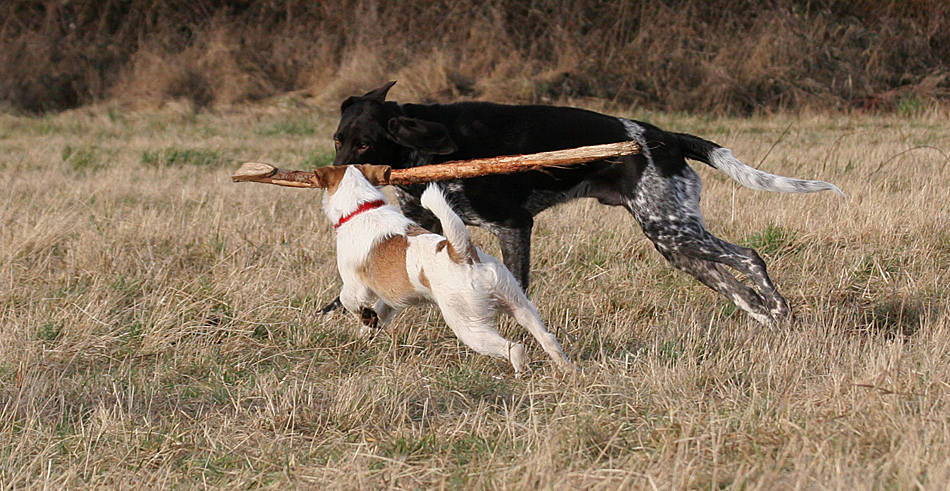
x,y
83,159
180,157
408,448
317,159
297,128
773,240
911,106
49,332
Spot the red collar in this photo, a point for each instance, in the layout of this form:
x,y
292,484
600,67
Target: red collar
x,y
369,205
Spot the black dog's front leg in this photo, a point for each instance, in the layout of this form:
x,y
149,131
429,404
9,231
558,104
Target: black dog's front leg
x,y
333,305
516,250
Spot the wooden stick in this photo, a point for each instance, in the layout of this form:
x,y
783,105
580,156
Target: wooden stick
x,y
259,172
458,169
461,169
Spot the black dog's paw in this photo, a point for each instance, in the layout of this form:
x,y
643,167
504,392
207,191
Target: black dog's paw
x,y
330,307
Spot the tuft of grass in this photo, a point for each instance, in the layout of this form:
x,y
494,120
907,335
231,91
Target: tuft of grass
x,y
408,448
296,128
179,157
317,159
911,105
773,240
83,159
49,332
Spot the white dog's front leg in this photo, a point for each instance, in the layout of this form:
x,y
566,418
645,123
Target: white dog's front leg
x,y
356,298
385,312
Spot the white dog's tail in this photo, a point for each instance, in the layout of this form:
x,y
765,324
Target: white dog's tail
x,y
461,248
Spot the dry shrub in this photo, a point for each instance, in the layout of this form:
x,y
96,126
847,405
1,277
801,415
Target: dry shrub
x,y
734,56
359,68
213,69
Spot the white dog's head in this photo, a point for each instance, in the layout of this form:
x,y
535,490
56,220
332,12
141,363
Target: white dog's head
x,y
329,177
349,186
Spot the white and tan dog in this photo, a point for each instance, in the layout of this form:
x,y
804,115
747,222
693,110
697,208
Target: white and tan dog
x,y
388,262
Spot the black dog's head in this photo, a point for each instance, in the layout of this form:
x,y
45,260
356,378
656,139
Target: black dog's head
x,y
373,132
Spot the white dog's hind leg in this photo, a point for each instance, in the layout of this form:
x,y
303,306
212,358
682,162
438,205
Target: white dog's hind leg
x,y
478,332
514,301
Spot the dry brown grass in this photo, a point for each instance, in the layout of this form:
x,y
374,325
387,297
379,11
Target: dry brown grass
x,y
158,326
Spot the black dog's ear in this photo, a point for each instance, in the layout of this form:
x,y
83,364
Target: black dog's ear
x,y
376,95
348,102
379,95
424,136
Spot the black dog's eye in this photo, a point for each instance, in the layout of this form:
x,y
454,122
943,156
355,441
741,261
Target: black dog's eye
x,y
337,144
362,147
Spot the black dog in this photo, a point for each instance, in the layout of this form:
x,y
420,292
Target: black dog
x,y
656,186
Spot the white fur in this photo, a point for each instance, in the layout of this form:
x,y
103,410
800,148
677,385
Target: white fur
x,y
452,226
750,177
352,244
469,294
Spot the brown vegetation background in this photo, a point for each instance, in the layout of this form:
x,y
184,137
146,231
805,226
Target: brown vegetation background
x,y
730,56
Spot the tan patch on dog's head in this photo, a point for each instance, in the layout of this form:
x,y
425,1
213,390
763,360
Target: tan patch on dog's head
x,y
328,178
385,270
377,175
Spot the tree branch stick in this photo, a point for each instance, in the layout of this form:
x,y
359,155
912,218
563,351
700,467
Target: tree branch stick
x,y
458,169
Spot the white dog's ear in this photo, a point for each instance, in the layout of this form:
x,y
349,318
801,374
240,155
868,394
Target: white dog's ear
x,y
327,177
377,175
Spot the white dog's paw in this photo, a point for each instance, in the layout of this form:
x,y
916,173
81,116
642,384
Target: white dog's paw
x,y
517,357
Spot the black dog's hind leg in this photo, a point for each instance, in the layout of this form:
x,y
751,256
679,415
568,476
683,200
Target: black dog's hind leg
x,y
703,255
722,281
667,208
749,263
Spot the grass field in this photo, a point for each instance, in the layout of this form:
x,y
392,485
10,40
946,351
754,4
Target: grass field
x,y
158,325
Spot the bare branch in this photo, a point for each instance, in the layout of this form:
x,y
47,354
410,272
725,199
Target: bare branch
x,y
459,169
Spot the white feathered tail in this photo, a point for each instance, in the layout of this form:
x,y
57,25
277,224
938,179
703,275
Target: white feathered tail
x,y
452,226
721,158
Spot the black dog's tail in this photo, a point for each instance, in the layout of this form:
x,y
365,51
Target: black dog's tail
x,y
721,158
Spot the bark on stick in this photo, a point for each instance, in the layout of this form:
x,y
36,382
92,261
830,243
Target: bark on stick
x,y
458,169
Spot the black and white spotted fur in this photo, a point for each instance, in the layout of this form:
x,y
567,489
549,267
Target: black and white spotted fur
x,y
657,186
